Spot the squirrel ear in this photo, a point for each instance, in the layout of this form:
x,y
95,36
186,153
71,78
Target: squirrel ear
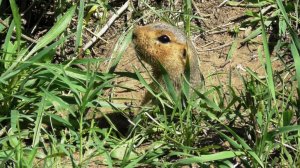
x,y
184,54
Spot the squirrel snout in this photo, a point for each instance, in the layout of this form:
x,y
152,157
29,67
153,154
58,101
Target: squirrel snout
x,y
136,32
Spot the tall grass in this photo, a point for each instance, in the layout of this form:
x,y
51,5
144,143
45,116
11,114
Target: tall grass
x,y
44,105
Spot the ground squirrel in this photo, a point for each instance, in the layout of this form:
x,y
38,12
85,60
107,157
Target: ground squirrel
x,y
161,43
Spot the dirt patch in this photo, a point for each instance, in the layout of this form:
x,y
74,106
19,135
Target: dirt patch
x,y
213,44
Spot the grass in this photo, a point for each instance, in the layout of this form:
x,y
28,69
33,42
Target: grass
x,y
44,106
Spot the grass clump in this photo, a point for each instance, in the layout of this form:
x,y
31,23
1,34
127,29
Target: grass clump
x,y
45,101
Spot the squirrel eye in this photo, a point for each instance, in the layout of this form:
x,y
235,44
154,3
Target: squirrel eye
x,y
164,39
184,54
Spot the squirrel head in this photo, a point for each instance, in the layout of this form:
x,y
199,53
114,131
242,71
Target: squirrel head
x,y
163,44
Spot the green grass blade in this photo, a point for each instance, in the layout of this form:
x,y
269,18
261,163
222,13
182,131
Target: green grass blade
x,y
169,84
232,49
17,20
6,46
80,25
208,101
230,140
252,35
14,120
269,71
296,56
58,104
54,32
187,13
124,42
211,157
38,122
60,120
285,16
31,156
143,82
282,130
41,55
246,147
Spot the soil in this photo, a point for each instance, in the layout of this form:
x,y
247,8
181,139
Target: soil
x,y
213,44
212,37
